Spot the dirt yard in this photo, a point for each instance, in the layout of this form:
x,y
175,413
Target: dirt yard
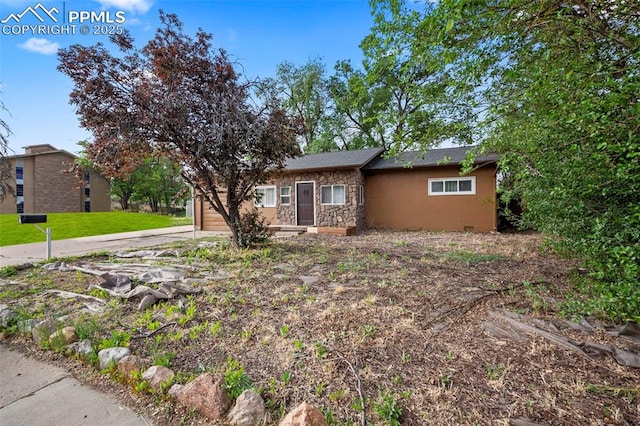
x,y
388,327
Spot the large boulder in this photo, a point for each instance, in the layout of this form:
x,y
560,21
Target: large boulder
x,y
206,395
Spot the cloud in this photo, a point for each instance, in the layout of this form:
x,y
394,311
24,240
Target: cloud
x,y
136,6
40,45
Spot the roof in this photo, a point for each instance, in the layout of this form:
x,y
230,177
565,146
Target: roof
x,y
333,160
431,158
41,149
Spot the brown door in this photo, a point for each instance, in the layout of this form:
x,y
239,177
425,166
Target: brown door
x,y
304,203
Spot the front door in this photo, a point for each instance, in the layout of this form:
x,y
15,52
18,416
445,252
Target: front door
x,y
304,204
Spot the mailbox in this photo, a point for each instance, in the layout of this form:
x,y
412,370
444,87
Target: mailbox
x,y
32,218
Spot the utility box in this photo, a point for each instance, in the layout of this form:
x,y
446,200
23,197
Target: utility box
x,y
32,218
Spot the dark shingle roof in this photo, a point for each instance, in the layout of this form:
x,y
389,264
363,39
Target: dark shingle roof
x,y
333,160
433,157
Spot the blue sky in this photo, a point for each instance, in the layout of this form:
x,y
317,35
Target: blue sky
x,y
257,33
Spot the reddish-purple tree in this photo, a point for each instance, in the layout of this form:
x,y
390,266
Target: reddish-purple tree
x,y
181,97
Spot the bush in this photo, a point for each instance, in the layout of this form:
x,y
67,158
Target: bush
x,y
253,229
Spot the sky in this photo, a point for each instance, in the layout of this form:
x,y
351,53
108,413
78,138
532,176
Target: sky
x,y
259,34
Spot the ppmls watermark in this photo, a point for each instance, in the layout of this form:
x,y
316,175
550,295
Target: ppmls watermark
x,y
40,20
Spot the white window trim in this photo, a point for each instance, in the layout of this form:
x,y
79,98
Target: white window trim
x,y
287,196
449,179
261,204
361,195
344,188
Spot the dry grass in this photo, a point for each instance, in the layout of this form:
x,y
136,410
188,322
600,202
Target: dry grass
x,y
402,312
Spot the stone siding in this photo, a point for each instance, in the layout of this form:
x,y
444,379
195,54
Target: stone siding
x,y
347,214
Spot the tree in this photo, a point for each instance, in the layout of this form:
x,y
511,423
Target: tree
x,y
394,101
6,184
158,183
304,94
180,97
554,86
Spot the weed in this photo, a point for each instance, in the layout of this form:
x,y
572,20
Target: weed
x,y
246,334
321,350
190,311
319,389
405,357
99,293
387,408
284,330
286,377
493,371
164,359
450,356
369,330
8,271
87,329
215,328
397,379
298,344
358,405
235,379
117,339
337,395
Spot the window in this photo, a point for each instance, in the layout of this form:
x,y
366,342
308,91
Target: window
x,y
285,195
87,177
87,192
452,186
87,206
265,196
20,207
19,172
361,194
19,190
332,194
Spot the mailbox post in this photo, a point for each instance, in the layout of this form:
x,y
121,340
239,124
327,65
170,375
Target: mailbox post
x,y
34,219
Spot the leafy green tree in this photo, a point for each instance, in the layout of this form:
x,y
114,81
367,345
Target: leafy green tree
x,y
183,99
158,183
554,87
394,100
303,92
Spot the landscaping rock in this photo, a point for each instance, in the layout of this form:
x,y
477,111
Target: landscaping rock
x,y
43,330
175,390
26,326
157,376
304,415
84,347
112,356
206,395
129,364
6,315
68,335
248,410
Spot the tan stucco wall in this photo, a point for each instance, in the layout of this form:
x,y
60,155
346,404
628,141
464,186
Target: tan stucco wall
x,y
100,198
399,199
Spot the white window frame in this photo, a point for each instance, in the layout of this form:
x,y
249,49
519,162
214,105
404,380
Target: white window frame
x,y
282,196
261,202
452,179
333,203
361,195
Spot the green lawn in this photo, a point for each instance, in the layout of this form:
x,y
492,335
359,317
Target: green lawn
x,y
73,225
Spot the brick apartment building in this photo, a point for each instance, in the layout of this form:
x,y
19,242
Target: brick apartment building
x,y
42,186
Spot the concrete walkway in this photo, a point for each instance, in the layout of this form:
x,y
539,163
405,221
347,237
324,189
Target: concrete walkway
x,y
36,252
35,393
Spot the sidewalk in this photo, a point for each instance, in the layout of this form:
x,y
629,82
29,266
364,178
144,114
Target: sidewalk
x,y
36,252
35,393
